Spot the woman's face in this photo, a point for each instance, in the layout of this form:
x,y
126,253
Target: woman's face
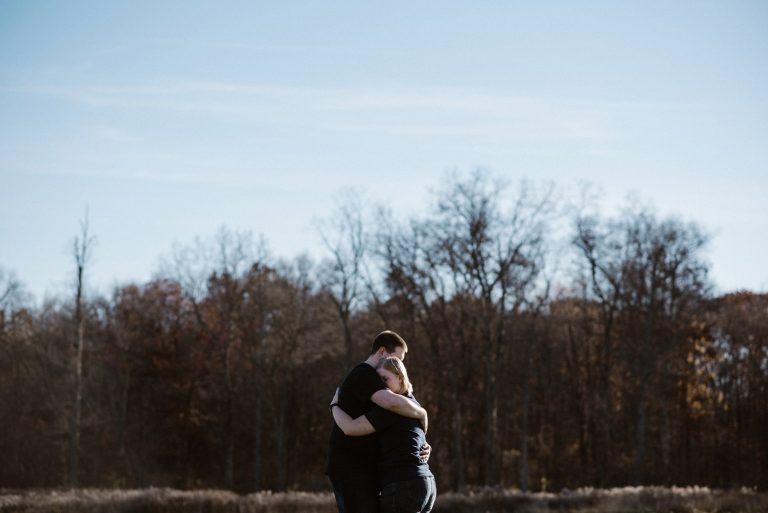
x,y
392,382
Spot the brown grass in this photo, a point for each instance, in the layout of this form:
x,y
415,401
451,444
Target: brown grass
x,y
165,500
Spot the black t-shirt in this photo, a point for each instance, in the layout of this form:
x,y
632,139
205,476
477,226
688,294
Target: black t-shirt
x,y
355,453
400,440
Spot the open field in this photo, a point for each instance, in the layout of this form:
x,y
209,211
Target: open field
x,y
165,500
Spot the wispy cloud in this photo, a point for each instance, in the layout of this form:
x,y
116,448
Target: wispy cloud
x,y
222,44
402,111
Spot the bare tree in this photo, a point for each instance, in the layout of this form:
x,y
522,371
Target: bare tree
x,y
81,252
665,276
493,244
215,272
344,237
11,295
257,316
603,253
644,273
478,255
416,281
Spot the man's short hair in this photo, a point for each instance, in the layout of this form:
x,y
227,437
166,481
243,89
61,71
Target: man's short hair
x,y
389,340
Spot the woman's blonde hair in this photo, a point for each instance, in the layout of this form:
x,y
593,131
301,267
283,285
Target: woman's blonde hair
x,y
396,367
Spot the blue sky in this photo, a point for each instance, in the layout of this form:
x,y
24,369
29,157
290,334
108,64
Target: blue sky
x,y
171,119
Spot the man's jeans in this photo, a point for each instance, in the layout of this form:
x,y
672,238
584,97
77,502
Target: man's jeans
x,y
412,496
356,493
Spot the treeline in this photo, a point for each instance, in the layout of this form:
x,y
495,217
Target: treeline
x,y
594,358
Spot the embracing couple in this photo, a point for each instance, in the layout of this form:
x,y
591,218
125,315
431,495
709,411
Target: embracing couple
x,y
378,450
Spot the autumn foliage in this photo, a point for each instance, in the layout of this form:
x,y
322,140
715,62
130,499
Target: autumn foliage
x,y
600,358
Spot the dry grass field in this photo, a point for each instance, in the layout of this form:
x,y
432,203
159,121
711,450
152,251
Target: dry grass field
x,y
165,500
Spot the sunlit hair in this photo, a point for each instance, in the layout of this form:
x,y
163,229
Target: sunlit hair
x,y
396,367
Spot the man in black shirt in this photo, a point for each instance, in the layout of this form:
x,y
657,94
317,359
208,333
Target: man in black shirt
x,y
352,461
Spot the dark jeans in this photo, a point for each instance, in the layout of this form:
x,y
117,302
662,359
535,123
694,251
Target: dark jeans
x,y
412,496
356,493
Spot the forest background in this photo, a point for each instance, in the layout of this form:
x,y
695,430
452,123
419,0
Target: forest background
x,y
553,346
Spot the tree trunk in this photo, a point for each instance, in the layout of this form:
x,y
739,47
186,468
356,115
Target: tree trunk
x,y
81,250
257,456
491,415
523,467
229,458
348,346
642,422
74,424
142,445
646,364
666,439
123,419
280,442
604,403
459,477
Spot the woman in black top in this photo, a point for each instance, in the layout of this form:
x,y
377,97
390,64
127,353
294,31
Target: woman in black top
x,y
407,484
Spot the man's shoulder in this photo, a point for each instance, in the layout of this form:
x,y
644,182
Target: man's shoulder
x,y
360,384
360,370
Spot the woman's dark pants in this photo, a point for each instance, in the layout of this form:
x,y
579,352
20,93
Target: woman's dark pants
x,y
412,496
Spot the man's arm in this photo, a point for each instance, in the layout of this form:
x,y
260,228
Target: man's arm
x,y
401,405
424,452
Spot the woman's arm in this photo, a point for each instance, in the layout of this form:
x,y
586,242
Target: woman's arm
x,y
351,427
401,405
